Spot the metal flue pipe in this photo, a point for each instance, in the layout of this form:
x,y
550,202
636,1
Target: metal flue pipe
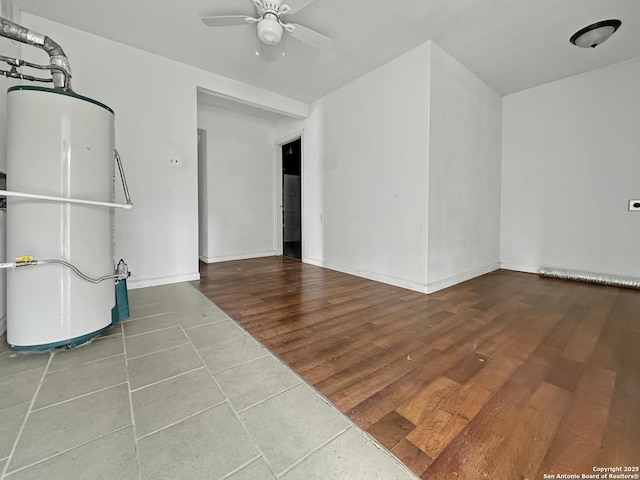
x,y
57,56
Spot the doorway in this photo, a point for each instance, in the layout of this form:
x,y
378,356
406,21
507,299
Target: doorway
x,y
292,199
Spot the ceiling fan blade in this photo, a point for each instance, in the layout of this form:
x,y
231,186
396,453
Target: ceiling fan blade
x,y
297,5
311,37
224,20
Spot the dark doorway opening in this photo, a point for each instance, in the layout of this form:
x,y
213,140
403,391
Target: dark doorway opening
x,y
292,199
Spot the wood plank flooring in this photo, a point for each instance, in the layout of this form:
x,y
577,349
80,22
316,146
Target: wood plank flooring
x,y
507,376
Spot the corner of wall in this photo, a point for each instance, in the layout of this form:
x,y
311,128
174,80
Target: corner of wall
x,y
427,137
464,172
463,277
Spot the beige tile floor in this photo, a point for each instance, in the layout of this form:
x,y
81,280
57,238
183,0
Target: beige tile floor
x,y
179,391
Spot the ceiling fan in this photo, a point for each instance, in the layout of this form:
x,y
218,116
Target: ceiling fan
x,y
271,24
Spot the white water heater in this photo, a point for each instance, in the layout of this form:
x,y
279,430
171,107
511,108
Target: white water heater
x,y
59,144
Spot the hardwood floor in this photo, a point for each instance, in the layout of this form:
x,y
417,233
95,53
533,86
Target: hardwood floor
x,y
507,376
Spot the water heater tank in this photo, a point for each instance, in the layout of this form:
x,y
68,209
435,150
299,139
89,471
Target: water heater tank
x,y
59,144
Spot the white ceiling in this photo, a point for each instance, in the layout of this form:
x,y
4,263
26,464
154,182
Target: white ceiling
x,y
510,44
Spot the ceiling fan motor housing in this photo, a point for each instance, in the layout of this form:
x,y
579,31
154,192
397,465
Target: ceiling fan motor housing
x,y
272,6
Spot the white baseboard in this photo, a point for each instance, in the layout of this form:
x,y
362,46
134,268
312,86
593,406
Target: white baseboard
x,y
403,283
228,258
396,282
154,282
520,268
463,277
3,324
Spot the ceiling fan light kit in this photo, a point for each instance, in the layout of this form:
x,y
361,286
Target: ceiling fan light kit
x,y
270,24
270,30
593,35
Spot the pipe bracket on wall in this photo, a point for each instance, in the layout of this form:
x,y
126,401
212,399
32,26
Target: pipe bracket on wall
x,y
123,178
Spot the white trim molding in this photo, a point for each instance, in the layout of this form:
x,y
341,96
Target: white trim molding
x,y
396,282
228,258
463,277
520,268
154,282
403,283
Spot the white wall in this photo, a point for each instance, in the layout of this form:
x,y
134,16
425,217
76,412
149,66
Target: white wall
x,y
365,160
571,162
403,167
464,174
156,118
240,159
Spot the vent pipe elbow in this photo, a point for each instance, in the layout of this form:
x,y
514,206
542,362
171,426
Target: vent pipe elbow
x,y
57,57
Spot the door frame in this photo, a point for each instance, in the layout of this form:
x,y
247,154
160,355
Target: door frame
x,y
203,195
277,190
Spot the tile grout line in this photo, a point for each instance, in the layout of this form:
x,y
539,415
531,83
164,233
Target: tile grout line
x,y
137,389
87,362
111,332
156,351
241,467
205,324
188,303
133,420
70,449
235,414
173,424
269,397
320,447
169,326
135,319
151,331
26,417
19,373
247,362
39,409
218,372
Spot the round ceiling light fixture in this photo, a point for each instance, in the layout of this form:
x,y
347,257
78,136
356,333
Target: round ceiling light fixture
x,y
595,34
